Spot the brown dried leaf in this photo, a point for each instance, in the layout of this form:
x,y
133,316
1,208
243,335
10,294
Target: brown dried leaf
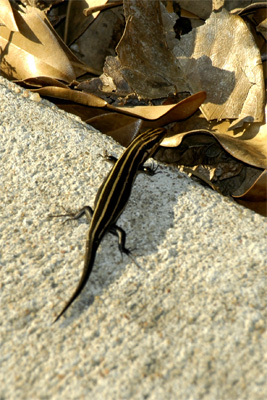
x,y
147,63
120,127
79,16
259,207
204,8
95,38
235,88
126,125
96,6
7,16
255,197
149,117
245,7
165,114
146,66
71,95
84,112
39,82
200,8
204,149
217,4
76,22
256,191
110,84
209,162
40,51
247,144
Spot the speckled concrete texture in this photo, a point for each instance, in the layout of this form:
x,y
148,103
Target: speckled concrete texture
x,y
192,327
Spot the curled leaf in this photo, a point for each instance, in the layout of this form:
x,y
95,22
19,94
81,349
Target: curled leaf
x,y
165,114
38,48
254,197
71,95
124,128
253,192
247,144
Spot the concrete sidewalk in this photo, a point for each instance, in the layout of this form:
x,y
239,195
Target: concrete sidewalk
x,y
193,327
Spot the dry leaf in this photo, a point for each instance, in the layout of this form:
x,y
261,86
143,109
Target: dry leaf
x,y
152,117
204,149
7,16
76,22
155,115
78,18
200,8
39,82
217,4
204,8
120,127
100,37
38,48
256,191
255,197
124,128
244,7
221,58
259,207
165,114
209,162
71,95
110,85
147,63
96,6
247,144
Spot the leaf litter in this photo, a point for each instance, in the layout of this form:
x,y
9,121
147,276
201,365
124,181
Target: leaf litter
x,y
126,66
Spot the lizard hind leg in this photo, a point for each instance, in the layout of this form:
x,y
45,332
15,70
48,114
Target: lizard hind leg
x,y
121,235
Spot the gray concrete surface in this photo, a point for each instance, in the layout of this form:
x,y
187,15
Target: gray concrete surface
x,y
192,327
